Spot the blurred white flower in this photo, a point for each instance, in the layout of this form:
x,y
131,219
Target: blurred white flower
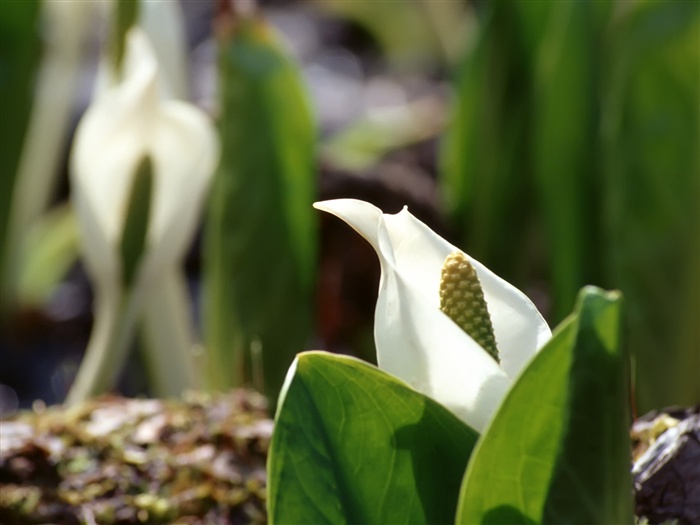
x,y
123,126
130,126
416,341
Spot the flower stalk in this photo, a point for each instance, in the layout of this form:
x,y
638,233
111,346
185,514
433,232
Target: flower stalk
x,y
110,340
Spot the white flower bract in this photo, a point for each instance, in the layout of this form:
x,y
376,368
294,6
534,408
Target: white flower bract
x,y
127,122
417,342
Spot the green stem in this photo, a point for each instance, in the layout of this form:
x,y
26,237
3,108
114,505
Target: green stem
x,y
168,336
115,319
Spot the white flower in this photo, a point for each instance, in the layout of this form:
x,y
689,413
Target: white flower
x,y
416,341
129,126
127,123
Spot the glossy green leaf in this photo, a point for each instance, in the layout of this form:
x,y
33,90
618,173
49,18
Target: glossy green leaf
x,y
19,59
558,449
355,445
261,230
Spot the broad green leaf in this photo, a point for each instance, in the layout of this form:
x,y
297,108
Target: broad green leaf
x,y
19,58
354,445
261,229
557,450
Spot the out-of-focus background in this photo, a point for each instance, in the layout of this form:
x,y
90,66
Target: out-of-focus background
x,y
556,142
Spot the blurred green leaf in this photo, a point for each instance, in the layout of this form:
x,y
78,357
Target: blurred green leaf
x,y
364,142
167,336
558,449
19,59
484,181
355,445
132,244
261,230
652,188
48,252
127,13
574,145
565,124
409,31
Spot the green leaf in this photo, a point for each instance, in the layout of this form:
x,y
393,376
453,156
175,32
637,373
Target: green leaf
x,y
48,252
355,445
483,175
565,127
261,230
558,449
410,33
127,13
19,58
134,233
653,195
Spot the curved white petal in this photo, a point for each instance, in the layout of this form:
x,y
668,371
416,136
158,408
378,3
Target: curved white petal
x,y
185,151
415,340
124,124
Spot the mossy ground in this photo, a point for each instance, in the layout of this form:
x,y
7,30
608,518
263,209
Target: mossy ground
x,y
200,460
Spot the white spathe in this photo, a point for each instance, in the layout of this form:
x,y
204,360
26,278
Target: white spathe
x,y
127,122
416,341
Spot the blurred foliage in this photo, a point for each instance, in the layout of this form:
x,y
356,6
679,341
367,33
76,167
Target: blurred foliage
x,y
19,58
364,142
48,252
409,32
572,159
261,231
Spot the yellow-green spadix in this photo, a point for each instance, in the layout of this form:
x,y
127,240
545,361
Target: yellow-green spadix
x,y
420,344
